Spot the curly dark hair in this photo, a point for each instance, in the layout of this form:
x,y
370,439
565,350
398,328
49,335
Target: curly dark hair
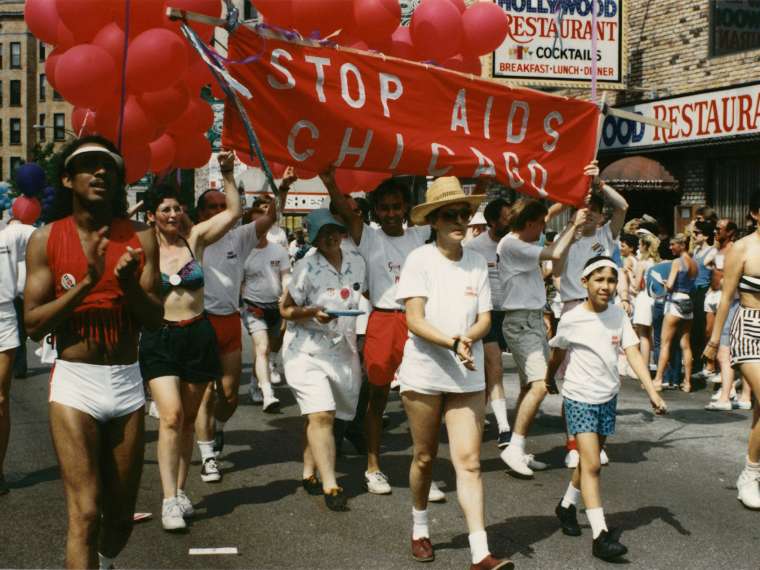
x,y
63,201
158,193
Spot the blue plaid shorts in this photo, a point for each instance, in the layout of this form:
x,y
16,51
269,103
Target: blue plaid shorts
x,y
590,418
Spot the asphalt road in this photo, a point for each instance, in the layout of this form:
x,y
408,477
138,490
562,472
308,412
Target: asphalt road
x,y
670,486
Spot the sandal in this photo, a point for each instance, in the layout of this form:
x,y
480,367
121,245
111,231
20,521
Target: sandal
x,y
336,500
312,485
685,388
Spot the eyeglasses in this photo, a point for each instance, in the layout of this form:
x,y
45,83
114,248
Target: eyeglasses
x,y
451,216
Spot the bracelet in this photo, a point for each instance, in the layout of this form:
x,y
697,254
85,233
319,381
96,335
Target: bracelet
x,y
455,346
227,170
713,344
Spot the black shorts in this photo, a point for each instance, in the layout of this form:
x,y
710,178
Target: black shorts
x,y
190,352
496,334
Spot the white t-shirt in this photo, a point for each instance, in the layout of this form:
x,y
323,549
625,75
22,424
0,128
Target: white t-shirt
x,y
455,292
593,341
385,256
223,269
13,241
486,247
262,281
520,272
277,235
580,251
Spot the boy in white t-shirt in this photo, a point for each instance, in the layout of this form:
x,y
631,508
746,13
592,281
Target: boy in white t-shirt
x,y
590,336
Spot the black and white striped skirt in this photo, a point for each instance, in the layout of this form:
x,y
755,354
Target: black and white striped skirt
x,y
745,336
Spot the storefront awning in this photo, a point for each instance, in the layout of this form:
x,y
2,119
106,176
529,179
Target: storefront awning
x,y
639,173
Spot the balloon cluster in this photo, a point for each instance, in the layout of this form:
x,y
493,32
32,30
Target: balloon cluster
x,y
163,119
30,179
5,199
446,32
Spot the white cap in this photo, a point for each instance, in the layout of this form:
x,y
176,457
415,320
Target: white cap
x,y
95,147
478,220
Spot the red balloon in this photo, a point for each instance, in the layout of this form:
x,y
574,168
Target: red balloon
x,y
436,29
65,39
197,75
143,15
211,8
321,17
460,5
277,13
484,27
26,210
166,105
162,152
197,118
157,58
111,38
82,121
84,75
303,173
41,18
193,151
137,159
401,44
84,17
50,63
375,20
471,64
137,128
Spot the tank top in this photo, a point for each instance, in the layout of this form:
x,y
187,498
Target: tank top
x,y
102,314
683,283
703,272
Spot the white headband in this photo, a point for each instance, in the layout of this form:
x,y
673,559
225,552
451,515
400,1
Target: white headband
x,y
598,265
95,148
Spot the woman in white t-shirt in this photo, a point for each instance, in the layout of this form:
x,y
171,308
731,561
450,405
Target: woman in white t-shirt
x,y
447,297
591,336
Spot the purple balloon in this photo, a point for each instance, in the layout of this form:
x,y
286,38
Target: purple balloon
x,y
30,179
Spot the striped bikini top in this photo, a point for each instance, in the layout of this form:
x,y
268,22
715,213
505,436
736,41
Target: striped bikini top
x,y
749,284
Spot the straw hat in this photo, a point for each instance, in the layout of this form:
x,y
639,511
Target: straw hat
x,y
441,192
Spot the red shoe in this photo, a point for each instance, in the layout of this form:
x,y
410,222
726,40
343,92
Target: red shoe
x,y
422,550
491,563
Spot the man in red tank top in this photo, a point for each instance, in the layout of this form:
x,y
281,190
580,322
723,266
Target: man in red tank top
x,y
92,281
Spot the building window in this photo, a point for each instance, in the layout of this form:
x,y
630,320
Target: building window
x,y
42,130
1,61
15,137
41,51
1,139
15,55
16,161
43,87
57,96
15,93
734,26
1,93
59,126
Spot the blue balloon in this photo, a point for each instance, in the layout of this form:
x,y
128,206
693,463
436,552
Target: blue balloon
x,y
30,179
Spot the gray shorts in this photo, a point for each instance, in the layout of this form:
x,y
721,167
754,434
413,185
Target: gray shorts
x,y
525,333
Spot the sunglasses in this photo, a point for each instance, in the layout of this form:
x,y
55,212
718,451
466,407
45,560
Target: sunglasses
x,y
451,216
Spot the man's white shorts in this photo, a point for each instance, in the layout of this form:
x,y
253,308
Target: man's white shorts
x,y
8,331
325,382
101,391
712,300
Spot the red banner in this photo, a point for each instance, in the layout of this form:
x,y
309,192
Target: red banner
x,y
313,106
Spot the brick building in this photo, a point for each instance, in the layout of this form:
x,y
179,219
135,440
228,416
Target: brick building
x,y
30,111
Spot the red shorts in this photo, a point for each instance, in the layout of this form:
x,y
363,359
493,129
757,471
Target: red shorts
x,y
384,345
229,335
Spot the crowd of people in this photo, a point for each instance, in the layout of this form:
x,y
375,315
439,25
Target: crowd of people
x,y
426,297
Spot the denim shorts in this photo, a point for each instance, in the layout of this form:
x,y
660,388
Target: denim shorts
x,y
590,418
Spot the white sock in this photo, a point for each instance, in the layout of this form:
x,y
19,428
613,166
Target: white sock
x,y
596,520
105,562
572,496
499,408
478,546
420,521
519,442
749,466
207,449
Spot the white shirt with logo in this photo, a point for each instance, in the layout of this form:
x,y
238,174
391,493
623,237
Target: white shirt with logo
x,y
580,251
520,272
223,269
486,247
385,256
277,235
593,341
13,241
264,266
455,293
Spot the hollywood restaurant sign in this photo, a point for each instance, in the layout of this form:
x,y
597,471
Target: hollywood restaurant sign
x,y
693,118
549,42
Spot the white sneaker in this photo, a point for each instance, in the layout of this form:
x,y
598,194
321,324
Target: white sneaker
x,y
717,406
185,504
274,375
517,461
171,515
210,472
435,495
715,397
740,405
377,483
572,458
714,378
270,402
603,459
749,492
534,464
153,410
254,392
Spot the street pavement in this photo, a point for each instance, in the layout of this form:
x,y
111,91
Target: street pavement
x,y
670,486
